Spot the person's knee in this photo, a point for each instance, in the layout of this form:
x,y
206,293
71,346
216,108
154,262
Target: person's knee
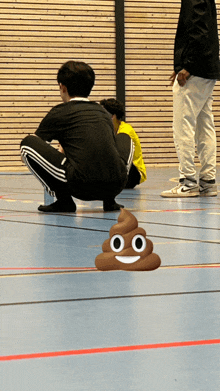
x,y
123,138
28,140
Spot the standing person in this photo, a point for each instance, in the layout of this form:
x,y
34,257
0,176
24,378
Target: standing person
x,y
95,163
137,173
196,69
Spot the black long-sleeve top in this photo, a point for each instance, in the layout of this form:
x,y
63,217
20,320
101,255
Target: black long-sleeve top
x,y
85,130
196,43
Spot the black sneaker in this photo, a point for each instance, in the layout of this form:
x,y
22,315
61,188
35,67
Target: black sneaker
x,y
57,207
207,188
111,207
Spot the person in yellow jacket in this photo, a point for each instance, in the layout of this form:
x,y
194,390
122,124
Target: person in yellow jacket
x,y
137,173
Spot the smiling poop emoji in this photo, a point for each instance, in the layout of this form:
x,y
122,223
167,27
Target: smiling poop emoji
x,y
127,248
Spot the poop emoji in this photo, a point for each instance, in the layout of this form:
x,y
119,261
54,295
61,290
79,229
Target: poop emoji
x,y
127,248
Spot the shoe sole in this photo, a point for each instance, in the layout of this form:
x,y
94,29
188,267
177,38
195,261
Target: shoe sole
x,y
184,195
209,194
41,209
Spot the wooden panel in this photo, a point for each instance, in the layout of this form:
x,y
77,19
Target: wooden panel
x,y
150,29
36,38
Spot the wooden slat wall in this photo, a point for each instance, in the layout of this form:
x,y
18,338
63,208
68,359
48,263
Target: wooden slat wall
x,y
150,28
36,38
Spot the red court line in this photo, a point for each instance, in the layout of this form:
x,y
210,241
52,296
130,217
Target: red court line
x,y
172,210
182,210
94,268
191,266
114,349
46,268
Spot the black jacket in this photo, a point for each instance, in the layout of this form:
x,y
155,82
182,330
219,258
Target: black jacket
x,y
196,43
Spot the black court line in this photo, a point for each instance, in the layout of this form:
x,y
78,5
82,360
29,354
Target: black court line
x,y
181,226
107,298
151,197
184,239
155,197
104,231
102,219
14,190
51,225
82,213
215,205
130,199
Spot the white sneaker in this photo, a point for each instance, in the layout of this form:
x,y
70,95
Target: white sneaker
x,y
182,190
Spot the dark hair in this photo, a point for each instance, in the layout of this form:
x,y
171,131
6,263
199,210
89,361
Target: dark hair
x,y
78,77
113,106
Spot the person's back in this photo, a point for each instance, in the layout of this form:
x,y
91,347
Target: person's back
x,y
86,134
90,163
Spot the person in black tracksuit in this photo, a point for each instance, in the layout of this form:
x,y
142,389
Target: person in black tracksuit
x,y
92,164
196,69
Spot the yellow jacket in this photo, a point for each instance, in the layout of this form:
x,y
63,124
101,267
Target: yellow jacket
x,y
138,158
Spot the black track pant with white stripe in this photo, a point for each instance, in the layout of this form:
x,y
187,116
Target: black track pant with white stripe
x,y
48,164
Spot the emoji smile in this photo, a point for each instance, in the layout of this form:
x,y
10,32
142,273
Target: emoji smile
x,y
127,259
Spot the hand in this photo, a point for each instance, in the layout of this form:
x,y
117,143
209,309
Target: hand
x,y
172,78
60,148
182,77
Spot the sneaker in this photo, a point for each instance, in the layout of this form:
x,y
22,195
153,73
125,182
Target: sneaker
x,y
182,190
207,189
111,206
58,207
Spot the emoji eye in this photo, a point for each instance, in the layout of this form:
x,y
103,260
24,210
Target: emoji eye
x,y
117,243
139,243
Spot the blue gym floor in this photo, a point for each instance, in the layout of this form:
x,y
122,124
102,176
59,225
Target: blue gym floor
x,y
67,326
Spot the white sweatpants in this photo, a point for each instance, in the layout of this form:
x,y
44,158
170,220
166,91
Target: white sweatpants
x,y
193,123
